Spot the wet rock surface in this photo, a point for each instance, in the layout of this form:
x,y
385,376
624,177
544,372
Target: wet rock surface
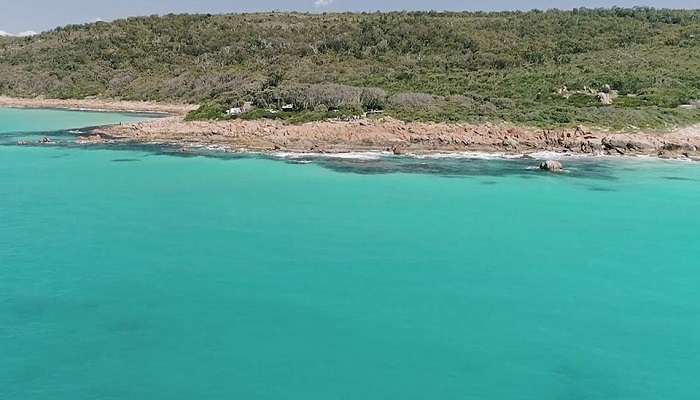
x,y
552,166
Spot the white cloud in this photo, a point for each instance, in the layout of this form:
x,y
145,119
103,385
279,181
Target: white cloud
x,y
20,34
323,3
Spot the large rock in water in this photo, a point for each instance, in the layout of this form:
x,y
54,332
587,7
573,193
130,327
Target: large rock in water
x,y
552,166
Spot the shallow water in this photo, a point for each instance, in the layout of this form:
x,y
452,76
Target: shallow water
x,y
38,121
137,274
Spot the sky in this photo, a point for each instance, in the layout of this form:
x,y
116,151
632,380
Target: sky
x,y
23,16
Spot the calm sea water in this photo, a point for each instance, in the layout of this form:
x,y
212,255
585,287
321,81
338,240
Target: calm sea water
x,y
36,121
135,274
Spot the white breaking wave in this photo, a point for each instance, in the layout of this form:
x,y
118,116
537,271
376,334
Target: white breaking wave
x,y
304,157
553,155
647,157
365,155
468,155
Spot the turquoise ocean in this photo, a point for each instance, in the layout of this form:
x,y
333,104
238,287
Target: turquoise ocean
x,y
139,273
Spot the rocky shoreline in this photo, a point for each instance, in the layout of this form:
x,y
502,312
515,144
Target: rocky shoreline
x,y
386,134
362,135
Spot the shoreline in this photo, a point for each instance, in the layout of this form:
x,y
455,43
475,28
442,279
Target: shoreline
x,y
538,157
395,137
98,105
376,135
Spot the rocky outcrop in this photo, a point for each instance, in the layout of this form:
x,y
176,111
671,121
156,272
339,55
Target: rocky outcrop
x,y
552,166
605,98
623,143
510,144
398,137
398,150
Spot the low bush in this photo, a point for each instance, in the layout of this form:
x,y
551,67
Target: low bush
x,y
207,111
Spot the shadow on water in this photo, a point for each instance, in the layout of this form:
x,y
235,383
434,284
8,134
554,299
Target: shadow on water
x,y
678,178
525,168
125,160
601,189
467,167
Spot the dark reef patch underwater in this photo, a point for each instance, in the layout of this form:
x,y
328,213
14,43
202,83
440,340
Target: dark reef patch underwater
x,y
443,165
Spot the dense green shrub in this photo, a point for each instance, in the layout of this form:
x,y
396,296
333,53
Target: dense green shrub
x,y
505,65
206,111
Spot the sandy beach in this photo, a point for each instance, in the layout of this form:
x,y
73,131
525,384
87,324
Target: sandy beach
x,y
97,105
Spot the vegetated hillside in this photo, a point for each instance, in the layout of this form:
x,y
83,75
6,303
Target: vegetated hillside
x,y
542,68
